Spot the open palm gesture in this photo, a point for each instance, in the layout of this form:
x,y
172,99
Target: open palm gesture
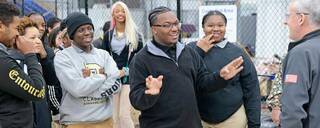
x,y
232,69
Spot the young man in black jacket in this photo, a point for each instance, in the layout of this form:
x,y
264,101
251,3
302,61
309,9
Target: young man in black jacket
x,y
165,75
17,88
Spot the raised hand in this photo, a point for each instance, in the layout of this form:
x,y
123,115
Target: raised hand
x,y
232,69
39,48
153,85
206,43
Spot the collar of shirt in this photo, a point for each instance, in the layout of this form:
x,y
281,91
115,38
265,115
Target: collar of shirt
x,y
79,50
153,49
222,44
170,51
162,47
306,37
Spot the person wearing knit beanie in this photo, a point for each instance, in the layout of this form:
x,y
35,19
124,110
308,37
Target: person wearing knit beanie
x,y
88,77
75,20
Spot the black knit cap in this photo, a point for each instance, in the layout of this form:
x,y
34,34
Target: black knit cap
x,y
75,20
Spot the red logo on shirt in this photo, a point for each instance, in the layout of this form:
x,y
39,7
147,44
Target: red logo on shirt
x,y
291,78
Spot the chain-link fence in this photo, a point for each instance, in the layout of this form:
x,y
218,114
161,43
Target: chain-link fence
x,y
258,25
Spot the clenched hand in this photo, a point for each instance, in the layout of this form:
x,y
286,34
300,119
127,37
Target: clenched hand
x,y
153,85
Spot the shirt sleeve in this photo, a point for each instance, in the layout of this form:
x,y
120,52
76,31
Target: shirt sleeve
x,y
295,89
15,82
138,98
251,92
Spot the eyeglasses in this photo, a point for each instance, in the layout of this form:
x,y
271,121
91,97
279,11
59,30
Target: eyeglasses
x,y
286,16
168,25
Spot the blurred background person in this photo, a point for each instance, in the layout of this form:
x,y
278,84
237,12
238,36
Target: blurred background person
x,y
58,40
42,113
98,42
273,100
41,24
52,23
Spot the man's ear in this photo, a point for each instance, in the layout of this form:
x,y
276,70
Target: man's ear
x,y
153,29
302,19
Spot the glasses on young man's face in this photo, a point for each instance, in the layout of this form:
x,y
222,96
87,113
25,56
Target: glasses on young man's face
x,y
168,25
286,16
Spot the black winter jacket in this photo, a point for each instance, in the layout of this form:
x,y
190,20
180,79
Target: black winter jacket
x,y
18,89
176,105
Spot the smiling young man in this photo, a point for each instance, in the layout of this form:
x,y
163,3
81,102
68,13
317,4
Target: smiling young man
x,y
17,88
87,76
165,75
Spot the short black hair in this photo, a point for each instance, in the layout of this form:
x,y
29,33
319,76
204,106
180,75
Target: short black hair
x,y
7,12
156,12
51,21
63,24
36,13
212,13
46,30
52,37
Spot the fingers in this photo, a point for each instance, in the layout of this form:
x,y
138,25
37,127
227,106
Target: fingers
x,y
152,92
160,78
232,69
208,37
86,72
153,85
238,70
235,63
238,61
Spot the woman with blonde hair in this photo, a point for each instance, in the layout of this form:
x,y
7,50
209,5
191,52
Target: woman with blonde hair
x,y
122,41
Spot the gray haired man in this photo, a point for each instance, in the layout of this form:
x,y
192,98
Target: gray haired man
x,y
301,92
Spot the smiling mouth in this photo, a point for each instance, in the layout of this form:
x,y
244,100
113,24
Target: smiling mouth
x,y
120,17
